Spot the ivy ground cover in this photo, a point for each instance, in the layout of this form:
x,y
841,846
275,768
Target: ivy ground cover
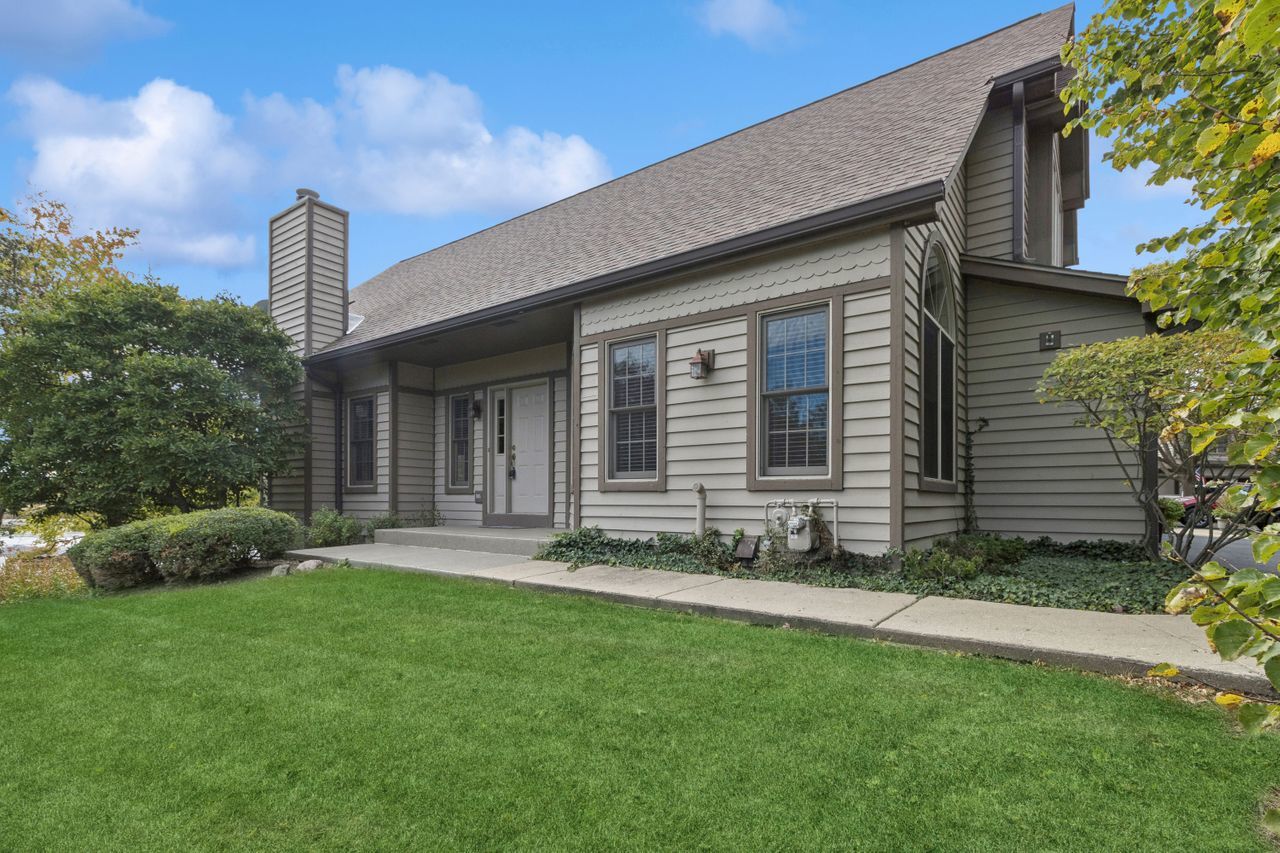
x,y
351,709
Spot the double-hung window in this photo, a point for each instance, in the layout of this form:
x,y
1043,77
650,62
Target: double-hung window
x,y
360,445
460,449
938,371
795,392
633,409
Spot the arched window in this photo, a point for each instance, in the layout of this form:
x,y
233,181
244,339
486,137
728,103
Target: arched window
x,y
938,370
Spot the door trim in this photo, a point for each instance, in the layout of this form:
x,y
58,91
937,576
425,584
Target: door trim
x,y
510,519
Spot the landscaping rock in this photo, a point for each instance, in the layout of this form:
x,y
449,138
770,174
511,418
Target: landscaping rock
x,y
281,570
308,565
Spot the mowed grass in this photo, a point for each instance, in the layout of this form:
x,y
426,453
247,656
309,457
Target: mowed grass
x,y
352,709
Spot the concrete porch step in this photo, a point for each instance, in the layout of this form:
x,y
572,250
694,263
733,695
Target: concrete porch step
x,y
521,542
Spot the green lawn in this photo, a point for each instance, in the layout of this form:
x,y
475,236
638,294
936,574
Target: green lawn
x,y
350,709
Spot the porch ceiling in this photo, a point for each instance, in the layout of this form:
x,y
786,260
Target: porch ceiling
x,y
522,331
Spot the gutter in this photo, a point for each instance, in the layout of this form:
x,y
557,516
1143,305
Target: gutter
x,y
916,202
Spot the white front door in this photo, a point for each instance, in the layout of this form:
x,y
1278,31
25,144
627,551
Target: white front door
x,y
529,439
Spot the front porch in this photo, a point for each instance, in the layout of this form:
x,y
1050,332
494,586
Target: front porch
x,y
470,425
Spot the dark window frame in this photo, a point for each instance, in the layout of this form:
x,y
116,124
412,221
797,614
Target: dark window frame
x,y
355,482
453,485
939,368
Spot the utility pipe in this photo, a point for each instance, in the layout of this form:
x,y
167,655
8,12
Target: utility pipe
x,y
700,522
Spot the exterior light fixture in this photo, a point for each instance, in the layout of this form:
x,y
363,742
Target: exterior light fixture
x,y
701,365
477,409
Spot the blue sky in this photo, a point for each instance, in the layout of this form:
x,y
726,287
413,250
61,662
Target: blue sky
x,y
195,121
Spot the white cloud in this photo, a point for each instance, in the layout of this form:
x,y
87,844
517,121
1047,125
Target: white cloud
x,y
760,23
166,161
68,29
195,179
396,142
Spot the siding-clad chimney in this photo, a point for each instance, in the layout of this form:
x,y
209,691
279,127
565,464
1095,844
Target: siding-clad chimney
x,y
307,278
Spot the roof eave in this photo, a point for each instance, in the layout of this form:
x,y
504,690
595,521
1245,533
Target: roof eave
x,y
1104,285
914,204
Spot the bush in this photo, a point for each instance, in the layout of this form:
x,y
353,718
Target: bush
x,y
672,551
330,528
214,542
34,575
386,521
1172,510
118,557
1090,549
188,546
938,564
991,552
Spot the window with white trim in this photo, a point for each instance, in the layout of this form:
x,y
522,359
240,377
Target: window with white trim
x,y
795,392
633,409
938,370
460,450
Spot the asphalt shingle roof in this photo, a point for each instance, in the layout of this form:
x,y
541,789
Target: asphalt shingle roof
x,y
893,133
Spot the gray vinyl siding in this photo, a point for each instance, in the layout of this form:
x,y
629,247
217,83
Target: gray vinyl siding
x,y
706,434
367,504
989,172
309,239
322,451
329,273
929,514
288,274
287,493
1035,472
843,260
458,509
560,452
415,452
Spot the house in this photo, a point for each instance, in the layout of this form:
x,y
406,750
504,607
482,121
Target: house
x,y
856,282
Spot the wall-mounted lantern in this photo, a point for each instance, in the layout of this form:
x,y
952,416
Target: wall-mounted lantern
x,y
701,365
477,409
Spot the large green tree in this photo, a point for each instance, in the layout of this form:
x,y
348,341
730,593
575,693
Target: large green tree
x,y
1190,90
121,397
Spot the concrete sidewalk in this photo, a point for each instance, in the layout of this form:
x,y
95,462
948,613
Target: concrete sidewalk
x,y
1112,643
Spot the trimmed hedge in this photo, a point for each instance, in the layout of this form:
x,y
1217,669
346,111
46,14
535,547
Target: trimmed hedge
x,y
191,546
116,558
204,544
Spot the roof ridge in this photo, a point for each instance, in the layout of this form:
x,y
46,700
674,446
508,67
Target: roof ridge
x,y
656,163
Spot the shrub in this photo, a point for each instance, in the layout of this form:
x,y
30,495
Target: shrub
x,y
118,557
188,546
386,521
34,575
330,528
1172,510
938,564
991,552
1090,549
218,541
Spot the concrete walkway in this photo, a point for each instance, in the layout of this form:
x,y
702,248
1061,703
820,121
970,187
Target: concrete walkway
x,y
1112,643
